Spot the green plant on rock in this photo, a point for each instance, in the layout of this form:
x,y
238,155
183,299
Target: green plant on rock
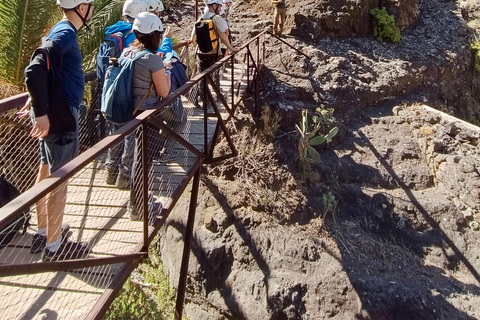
x,y
475,46
329,204
309,139
384,25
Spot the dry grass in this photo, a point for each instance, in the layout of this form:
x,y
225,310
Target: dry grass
x,y
255,177
271,122
8,90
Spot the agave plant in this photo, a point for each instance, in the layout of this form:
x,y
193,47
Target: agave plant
x,y
24,22
22,25
308,139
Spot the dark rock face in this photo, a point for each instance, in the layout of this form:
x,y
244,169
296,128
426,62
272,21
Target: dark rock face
x,y
315,20
432,64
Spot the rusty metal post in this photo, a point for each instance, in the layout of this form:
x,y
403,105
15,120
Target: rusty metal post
x,y
205,116
145,184
257,71
186,247
196,10
232,89
248,67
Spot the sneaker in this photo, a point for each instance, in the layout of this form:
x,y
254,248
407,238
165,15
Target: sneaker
x,y
154,208
167,157
123,181
39,241
67,251
111,177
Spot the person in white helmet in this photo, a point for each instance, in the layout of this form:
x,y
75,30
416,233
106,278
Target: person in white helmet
x,y
58,137
148,69
119,160
131,9
227,4
155,6
207,59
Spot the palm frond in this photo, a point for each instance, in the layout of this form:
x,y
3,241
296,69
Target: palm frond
x,y
21,28
107,12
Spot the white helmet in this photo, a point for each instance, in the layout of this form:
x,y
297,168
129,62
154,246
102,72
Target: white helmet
x,y
209,2
227,1
70,4
132,8
223,10
155,6
147,22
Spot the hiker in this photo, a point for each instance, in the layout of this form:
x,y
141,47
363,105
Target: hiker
x,y
280,11
149,69
223,14
119,160
155,6
227,4
58,135
206,59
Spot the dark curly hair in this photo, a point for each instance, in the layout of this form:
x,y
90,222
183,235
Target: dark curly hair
x,y
149,41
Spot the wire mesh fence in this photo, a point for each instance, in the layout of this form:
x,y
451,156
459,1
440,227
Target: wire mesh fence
x,y
107,219
106,215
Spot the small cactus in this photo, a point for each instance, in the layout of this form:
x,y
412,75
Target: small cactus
x,y
307,140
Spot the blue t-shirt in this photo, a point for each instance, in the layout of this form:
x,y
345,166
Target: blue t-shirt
x,y
64,37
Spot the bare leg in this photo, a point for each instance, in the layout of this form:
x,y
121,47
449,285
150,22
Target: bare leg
x,y
275,23
55,208
41,204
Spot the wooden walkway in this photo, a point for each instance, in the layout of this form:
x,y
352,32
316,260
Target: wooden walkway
x,y
96,213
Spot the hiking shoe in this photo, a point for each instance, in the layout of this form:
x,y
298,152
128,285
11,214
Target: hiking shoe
x,y
68,250
123,181
111,177
39,241
154,208
166,156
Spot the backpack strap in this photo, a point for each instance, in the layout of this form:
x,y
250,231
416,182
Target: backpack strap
x,y
143,99
137,56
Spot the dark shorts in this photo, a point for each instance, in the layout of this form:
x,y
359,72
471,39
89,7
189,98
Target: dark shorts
x,y
58,149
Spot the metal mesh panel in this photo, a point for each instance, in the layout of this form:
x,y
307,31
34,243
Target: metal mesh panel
x,y
19,155
97,209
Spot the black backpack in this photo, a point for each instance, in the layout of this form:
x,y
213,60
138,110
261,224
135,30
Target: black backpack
x,y
7,193
206,36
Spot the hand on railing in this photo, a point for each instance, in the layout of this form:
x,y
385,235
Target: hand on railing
x,y
234,49
25,111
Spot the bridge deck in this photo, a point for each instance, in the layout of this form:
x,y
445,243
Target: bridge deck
x,y
96,212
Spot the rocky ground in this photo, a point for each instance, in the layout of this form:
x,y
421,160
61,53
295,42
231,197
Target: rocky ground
x,y
387,225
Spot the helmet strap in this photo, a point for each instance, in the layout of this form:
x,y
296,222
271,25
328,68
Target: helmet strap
x,y
84,19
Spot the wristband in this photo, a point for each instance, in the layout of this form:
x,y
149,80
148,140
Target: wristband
x,y
168,72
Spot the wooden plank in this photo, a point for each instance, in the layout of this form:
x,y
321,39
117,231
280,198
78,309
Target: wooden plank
x,y
28,303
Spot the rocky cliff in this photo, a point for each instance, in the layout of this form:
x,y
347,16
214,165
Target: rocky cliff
x,y
401,240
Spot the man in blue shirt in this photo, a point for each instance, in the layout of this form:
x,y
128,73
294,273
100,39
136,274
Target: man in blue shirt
x,y
58,141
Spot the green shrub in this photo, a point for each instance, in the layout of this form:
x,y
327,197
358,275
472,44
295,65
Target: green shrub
x,y
475,46
146,294
384,25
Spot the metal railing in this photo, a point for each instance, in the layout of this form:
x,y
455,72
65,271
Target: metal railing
x,y
95,210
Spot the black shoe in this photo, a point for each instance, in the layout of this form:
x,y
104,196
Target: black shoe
x,y
67,251
39,241
123,182
111,177
154,209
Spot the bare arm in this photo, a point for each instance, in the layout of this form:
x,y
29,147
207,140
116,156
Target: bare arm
x,y
161,82
225,40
